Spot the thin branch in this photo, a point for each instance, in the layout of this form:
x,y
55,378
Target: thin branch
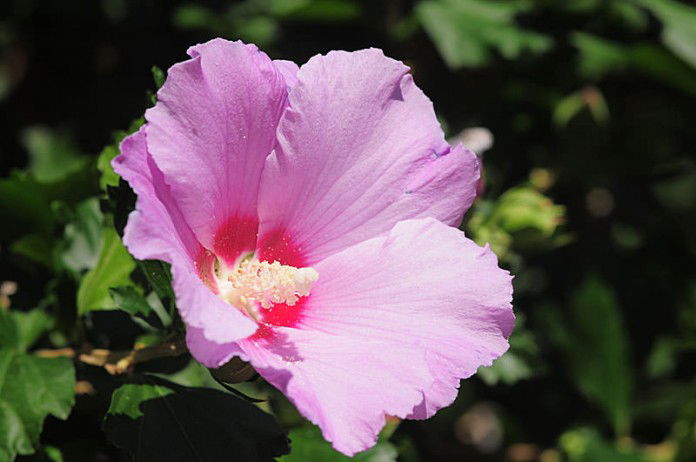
x,y
119,362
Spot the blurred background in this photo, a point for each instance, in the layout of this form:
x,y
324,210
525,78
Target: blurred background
x,y
587,128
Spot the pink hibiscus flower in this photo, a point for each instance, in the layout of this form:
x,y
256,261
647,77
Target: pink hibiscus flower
x,y
308,217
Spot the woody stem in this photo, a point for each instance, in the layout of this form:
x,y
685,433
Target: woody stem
x,y
118,362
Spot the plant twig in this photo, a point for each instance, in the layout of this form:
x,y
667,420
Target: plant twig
x,y
119,362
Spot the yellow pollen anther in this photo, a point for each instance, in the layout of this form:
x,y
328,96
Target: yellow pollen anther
x,y
254,284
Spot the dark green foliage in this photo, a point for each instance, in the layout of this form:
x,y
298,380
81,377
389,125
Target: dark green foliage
x,y
128,299
31,387
593,341
162,421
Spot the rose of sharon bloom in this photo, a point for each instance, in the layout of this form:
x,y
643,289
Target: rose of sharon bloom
x,y
309,216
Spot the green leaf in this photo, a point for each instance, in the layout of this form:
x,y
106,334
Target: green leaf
x,y
684,430
108,176
159,76
30,389
192,16
465,31
26,204
508,369
598,56
193,375
52,156
126,399
318,10
82,237
628,14
521,217
129,300
20,329
595,344
159,420
662,359
53,454
113,269
31,325
570,106
664,401
567,108
520,362
678,27
655,61
159,276
524,208
9,332
24,207
587,445
251,21
678,191
34,247
308,444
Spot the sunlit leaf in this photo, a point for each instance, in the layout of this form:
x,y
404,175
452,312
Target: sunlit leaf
x,y
524,208
82,237
521,217
30,387
589,98
567,108
52,155
20,329
53,454
113,269
108,176
629,14
465,31
159,76
587,445
679,26
30,326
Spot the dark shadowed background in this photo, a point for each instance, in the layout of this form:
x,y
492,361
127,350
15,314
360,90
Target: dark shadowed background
x,y
589,199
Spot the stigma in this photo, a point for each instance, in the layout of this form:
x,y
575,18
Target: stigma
x,y
253,286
